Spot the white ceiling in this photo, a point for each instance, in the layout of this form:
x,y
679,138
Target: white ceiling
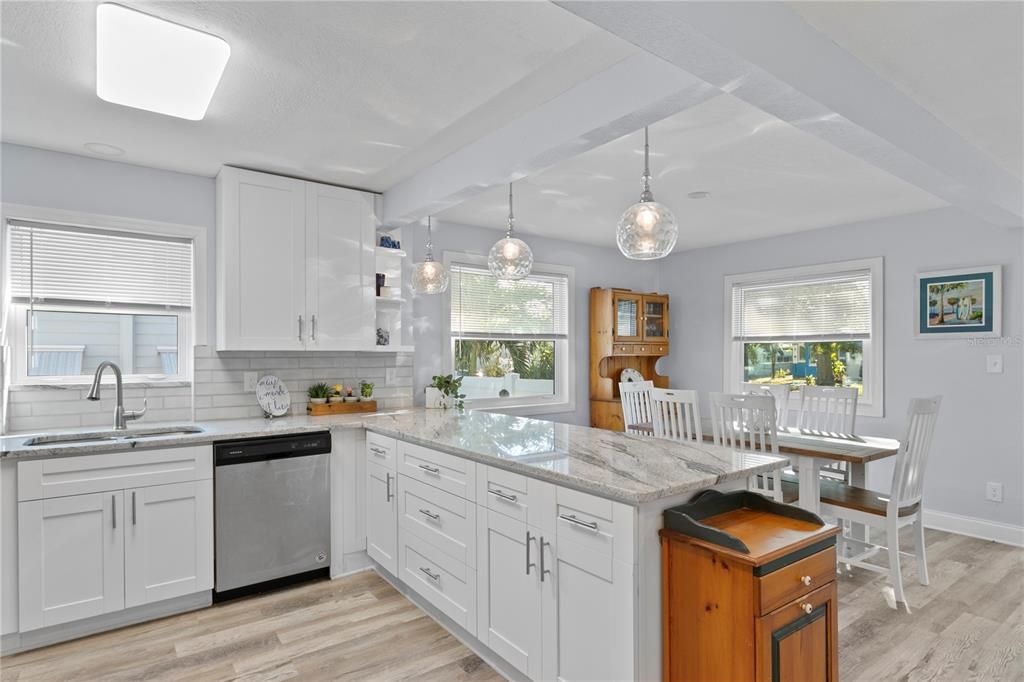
x,y
963,61
354,93
766,178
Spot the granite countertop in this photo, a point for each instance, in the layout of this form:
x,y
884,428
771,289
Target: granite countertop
x,y
623,467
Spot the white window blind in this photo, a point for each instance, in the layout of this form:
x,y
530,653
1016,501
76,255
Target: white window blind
x,y
826,307
483,307
56,263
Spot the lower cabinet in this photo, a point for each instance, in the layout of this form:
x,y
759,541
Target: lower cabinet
x,y
796,641
382,516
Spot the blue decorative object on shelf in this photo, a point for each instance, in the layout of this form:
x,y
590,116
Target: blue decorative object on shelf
x,y
387,242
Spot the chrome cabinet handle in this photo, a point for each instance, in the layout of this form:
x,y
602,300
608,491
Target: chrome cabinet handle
x,y
378,451
503,495
529,564
430,515
571,518
543,571
807,607
388,489
433,576
134,518
314,328
113,511
430,469
300,327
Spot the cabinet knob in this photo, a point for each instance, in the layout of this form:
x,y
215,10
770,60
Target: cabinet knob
x,y
806,580
807,608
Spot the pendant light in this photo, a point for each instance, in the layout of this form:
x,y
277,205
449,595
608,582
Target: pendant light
x,y
647,230
429,277
510,258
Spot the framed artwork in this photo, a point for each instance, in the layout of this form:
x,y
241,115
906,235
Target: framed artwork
x,y
962,302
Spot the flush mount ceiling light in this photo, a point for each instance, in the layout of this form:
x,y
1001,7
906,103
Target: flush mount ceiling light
x,y
510,258
429,277
647,230
152,64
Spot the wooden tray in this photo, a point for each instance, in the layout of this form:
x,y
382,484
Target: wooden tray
x,y
341,408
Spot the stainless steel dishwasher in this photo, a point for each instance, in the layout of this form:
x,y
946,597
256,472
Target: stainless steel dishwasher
x,y
272,504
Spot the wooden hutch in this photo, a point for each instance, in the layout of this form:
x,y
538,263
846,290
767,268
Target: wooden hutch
x,y
627,329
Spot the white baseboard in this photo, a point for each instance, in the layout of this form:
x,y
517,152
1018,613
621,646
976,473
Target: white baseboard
x,y
1005,533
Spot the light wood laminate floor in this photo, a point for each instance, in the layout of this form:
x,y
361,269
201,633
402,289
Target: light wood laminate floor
x,y
967,625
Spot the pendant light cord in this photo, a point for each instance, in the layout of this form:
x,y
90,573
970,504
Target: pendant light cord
x,y
430,241
646,195
511,217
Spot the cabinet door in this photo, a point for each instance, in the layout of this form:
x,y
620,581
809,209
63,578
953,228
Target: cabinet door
x,y
340,301
168,541
588,614
71,558
627,309
261,262
381,516
799,642
509,608
654,318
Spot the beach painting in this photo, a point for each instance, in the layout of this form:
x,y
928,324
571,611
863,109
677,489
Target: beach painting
x,y
959,302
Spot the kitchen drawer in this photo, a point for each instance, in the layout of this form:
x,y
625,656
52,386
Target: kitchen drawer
x,y
381,449
796,579
622,349
519,497
444,520
439,469
594,523
63,476
447,583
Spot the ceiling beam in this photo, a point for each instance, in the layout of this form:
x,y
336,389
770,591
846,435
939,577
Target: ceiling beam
x,y
765,54
632,93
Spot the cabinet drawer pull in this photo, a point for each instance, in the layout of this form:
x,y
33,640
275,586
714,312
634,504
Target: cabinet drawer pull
x,y
807,607
543,571
571,518
433,576
378,451
314,328
806,580
113,511
134,519
300,328
388,489
429,469
430,515
503,495
529,564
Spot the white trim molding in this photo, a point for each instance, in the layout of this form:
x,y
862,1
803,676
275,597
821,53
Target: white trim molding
x,y
1004,533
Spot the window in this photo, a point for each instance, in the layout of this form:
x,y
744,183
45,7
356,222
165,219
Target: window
x,y
80,296
510,340
813,325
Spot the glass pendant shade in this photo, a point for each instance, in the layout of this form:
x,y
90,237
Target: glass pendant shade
x,y
647,230
430,277
510,258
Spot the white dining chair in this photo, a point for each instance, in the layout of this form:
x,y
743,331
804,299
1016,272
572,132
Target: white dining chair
x,y
636,406
901,507
780,392
747,422
676,414
829,409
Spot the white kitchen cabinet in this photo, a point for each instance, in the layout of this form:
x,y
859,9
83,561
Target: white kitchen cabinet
x,y
295,264
382,516
168,547
71,558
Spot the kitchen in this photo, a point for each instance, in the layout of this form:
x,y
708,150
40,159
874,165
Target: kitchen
x,y
226,251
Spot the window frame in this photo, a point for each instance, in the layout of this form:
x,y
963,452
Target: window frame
x,y
564,398
190,334
872,402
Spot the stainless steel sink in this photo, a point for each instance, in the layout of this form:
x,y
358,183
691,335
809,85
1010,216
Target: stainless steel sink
x,y
112,435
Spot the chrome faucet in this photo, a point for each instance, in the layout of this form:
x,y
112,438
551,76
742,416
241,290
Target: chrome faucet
x,y
121,416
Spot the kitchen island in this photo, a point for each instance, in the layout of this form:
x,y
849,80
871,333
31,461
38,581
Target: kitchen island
x,y
534,541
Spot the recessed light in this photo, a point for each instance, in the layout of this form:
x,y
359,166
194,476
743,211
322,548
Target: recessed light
x,y
152,64
699,195
103,149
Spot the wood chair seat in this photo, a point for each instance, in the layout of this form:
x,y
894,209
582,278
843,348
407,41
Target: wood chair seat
x,y
840,494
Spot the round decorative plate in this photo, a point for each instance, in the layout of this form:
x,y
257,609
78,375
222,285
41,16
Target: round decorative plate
x,y
630,375
273,396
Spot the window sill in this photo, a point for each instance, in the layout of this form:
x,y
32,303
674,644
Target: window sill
x,y
526,409
78,385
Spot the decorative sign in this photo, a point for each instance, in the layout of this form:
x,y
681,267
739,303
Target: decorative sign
x,y
273,396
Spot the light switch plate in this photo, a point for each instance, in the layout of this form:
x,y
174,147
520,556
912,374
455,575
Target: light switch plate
x,y
994,491
994,364
250,379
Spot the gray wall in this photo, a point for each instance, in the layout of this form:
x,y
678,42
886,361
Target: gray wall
x,y
979,436
595,267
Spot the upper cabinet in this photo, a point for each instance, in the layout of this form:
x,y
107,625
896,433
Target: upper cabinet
x,y
295,264
640,317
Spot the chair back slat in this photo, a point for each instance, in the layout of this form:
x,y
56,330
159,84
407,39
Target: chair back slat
x,y
636,403
912,458
676,414
830,409
780,392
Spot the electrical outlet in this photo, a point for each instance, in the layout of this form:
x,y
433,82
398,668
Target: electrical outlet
x,y
250,379
994,364
994,491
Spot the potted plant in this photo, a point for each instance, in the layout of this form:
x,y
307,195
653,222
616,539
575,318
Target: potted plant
x,y
365,390
318,393
337,394
350,396
449,387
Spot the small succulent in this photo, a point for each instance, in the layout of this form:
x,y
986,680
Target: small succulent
x,y
366,389
319,390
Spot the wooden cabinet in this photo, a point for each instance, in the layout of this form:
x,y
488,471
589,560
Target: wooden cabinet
x,y
639,317
748,594
295,264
